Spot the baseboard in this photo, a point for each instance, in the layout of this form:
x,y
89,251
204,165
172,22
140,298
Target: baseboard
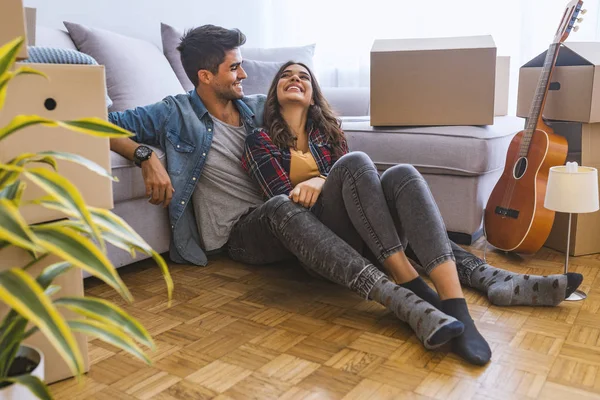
x,y
465,238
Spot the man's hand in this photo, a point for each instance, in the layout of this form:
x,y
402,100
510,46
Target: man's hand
x,y
158,183
306,193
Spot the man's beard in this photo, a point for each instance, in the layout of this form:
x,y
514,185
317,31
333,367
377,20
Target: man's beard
x,y
228,93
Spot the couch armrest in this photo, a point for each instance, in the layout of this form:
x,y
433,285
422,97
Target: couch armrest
x,y
353,101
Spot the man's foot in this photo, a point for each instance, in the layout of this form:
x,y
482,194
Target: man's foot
x,y
505,288
419,287
470,345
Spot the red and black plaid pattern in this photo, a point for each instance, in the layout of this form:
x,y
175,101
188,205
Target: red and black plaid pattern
x,y
270,166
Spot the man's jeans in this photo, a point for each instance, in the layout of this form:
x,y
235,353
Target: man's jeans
x,y
356,211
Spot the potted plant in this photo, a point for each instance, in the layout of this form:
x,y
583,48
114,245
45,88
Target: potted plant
x,y
78,241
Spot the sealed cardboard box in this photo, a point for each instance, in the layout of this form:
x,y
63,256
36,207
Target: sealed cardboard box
x,y
439,81
584,147
12,24
502,86
71,284
71,92
574,91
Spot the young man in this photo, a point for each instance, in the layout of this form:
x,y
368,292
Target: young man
x,y
213,204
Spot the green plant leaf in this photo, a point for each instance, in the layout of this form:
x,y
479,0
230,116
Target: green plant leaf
x,y
107,313
23,121
117,232
13,192
110,222
27,158
8,76
110,335
10,341
22,293
81,252
9,174
76,158
51,272
95,127
13,227
67,194
8,54
33,383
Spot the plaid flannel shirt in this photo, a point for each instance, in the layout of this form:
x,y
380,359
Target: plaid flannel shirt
x,y
269,165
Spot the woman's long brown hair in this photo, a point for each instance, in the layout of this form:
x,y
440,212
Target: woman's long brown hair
x,y
320,115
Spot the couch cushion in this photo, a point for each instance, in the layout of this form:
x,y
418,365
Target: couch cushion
x,y
137,73
455,150
171,38
260,75
131,184
51,37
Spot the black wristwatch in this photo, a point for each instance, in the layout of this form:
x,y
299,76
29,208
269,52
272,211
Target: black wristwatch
x,y
141,154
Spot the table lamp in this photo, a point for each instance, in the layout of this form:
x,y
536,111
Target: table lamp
x,y
572,189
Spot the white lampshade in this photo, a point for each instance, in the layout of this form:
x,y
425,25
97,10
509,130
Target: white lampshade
x,y
572,189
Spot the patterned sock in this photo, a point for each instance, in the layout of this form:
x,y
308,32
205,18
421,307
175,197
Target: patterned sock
x,y
432,327
505,288
424,291
470,345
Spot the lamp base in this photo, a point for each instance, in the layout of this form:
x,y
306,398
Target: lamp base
x,y
577,295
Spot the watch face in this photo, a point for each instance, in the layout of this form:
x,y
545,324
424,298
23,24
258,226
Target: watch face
x,y
143,152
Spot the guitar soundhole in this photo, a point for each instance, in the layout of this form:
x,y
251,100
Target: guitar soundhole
x,y
520,168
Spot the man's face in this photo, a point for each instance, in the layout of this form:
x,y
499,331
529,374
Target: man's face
x,y
227,83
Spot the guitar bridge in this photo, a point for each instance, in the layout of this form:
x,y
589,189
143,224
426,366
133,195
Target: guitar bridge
x,y
507,212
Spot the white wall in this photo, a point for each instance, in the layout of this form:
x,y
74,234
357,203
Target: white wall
x,y
142,18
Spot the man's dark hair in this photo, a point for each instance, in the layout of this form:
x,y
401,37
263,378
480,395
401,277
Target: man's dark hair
x,y
205,47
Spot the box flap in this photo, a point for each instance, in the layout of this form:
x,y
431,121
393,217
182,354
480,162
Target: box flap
x,y
463,42
588,50
571,54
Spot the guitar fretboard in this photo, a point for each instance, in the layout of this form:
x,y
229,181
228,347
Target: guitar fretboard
x,y
538,100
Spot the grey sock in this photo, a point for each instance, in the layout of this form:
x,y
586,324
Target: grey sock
x,y
505,288
432,327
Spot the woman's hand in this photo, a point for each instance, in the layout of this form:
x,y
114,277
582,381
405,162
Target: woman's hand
x,y
306,193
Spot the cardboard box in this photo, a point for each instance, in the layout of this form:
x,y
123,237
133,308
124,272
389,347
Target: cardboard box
x,y
502,86
574,92
76,91
72,285
441,81
584,147
12,24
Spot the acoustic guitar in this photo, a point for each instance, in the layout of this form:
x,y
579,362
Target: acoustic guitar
x,y
515,218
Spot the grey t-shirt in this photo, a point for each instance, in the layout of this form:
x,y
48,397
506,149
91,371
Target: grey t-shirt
x,y
224,191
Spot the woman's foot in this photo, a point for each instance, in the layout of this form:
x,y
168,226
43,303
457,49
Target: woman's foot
x,y
432,326
470,345
505,288
424,291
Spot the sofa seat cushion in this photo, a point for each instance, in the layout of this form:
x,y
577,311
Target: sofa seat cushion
x,y
131,184
454,150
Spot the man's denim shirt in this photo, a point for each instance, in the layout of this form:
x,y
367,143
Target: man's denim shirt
x,y
182,127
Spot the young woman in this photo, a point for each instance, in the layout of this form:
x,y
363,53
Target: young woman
x,y
302,153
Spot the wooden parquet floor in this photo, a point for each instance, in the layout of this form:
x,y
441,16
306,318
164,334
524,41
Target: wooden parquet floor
x,y
241,332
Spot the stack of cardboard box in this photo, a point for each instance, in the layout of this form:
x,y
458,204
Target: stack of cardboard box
x,y
572,109
70,92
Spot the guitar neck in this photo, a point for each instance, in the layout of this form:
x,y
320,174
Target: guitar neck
x,y
539,100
